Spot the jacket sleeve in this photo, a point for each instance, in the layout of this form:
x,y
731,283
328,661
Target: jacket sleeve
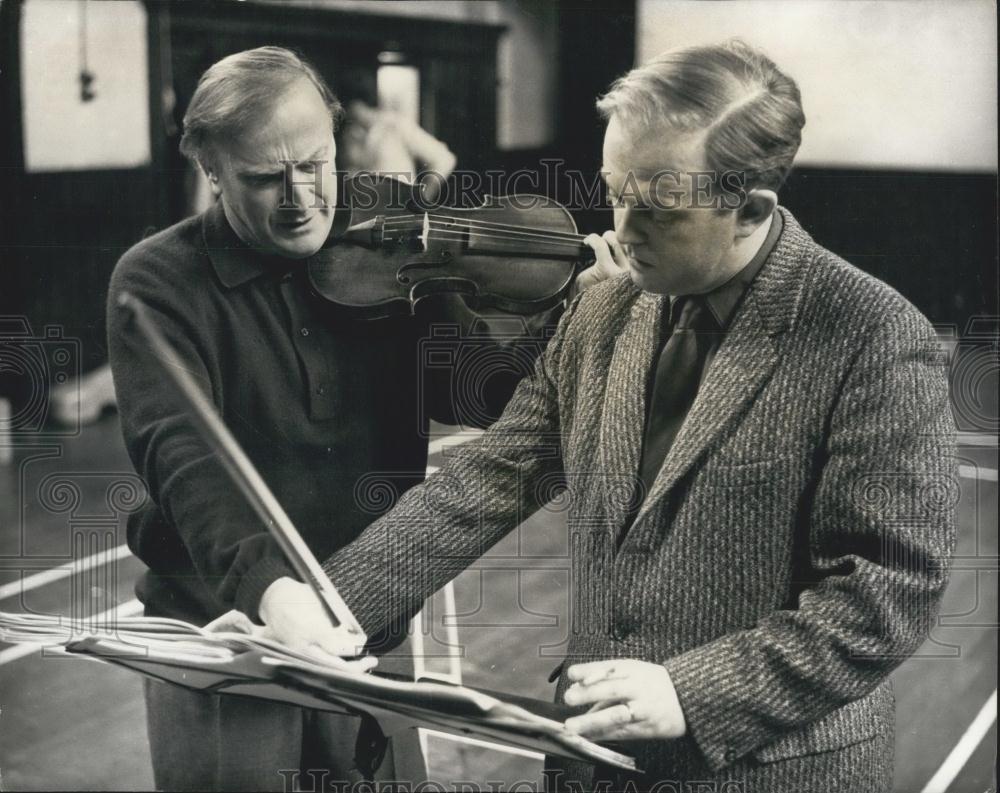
x,y
881,532
487,488
229,546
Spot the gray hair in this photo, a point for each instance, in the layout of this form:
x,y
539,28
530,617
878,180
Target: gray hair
x,y
750,110
232,93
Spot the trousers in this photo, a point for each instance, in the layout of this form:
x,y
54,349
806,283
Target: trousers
x,y
217,742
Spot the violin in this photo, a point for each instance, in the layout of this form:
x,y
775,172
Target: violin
x,y
387,251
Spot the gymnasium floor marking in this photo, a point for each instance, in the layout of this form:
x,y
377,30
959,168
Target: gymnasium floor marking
x,y
963,750
975,472
63,571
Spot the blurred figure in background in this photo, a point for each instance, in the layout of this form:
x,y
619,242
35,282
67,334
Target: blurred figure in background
x,y
384,140
85,399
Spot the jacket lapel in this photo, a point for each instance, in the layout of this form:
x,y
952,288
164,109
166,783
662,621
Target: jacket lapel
x,y
745,359
743,363
623,419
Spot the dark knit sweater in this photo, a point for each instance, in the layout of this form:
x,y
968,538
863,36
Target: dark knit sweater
x,y
334,415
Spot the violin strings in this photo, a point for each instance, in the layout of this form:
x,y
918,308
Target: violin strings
x,y
404,220
511,235
443,232
461,235
471,233
499,227
538,238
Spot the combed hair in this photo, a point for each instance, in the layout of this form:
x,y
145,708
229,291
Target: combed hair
x,y
233,92
751,110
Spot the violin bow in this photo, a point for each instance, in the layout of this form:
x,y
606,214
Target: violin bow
x,y
240,469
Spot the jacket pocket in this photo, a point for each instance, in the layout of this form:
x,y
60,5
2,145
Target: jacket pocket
x,y
717,474
855,722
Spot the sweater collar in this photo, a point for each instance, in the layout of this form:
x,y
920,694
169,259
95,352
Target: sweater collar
x,y
236,263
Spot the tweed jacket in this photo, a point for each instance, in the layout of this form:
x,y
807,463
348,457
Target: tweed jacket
x,y
790,553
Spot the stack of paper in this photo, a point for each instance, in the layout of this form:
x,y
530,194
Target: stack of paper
x,y
244,664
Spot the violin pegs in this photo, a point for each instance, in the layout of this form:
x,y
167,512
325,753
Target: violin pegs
x,y
367,233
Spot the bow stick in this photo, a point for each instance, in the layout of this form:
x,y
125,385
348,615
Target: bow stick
x,y
242,471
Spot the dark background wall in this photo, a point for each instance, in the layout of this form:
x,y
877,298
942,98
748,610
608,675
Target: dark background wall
x,y
932,235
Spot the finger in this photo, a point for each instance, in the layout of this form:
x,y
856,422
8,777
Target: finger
x,y
587,278
584,671
360,666
335,642
623,732
267,632
602,253
341,661
342,649
231,622
614,690
613,672
600,722
605,256
340,641
596,242
617,252
604,703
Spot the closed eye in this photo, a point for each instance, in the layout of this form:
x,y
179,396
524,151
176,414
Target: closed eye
x,y
626,202
263,178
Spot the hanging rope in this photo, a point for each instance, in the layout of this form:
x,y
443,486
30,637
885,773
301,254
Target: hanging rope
x,y
87,77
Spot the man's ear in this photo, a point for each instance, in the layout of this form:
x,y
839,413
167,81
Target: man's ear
x,y
212,175
213,182
759,207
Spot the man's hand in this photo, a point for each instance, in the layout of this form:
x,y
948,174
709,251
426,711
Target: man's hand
x,y
610,260
631,700
295,617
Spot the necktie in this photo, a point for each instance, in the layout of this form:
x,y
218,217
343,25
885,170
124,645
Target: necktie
x,y
676,380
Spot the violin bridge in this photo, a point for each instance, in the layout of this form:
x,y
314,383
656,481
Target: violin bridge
x,y
425,232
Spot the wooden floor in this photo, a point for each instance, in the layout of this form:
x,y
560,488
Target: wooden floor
x,y
70,724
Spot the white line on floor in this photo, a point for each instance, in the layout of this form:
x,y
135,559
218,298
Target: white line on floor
x,y
121,552
975,472
960,755
63,571
976,439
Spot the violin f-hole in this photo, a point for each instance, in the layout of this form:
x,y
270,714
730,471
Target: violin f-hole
x,y
402,275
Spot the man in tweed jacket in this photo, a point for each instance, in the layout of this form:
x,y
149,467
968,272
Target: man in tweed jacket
x,y
738,626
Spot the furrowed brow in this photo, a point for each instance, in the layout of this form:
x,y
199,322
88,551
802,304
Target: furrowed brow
x,y
314,157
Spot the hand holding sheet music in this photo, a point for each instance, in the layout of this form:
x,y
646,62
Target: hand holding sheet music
x,y
630,700
239,659
295,617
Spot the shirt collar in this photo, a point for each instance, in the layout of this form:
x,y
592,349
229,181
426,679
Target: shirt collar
x,y
723,300
235,262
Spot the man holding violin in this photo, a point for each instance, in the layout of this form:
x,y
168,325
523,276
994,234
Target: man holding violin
x,y
721,416
317,403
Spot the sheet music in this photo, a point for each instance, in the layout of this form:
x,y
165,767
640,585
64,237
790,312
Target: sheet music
x,y
249,664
